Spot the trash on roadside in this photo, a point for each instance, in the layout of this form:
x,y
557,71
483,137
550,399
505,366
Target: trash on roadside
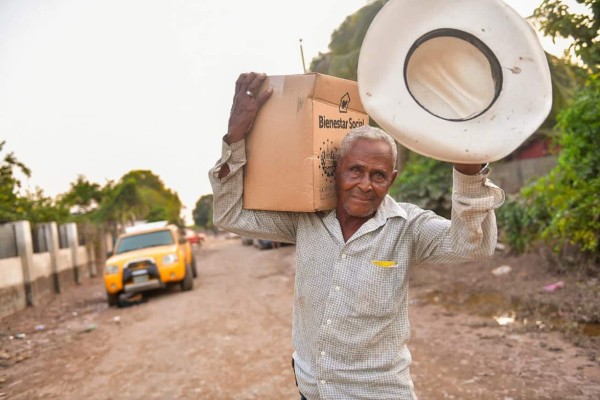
x,y
117,319
503,270
500,246
554,286
40,327
20,336
89,328
504,320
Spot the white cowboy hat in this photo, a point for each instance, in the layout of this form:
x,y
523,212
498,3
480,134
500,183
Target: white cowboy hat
x,y
457,80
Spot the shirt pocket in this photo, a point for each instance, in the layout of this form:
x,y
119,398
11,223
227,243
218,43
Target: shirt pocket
x,y
379,288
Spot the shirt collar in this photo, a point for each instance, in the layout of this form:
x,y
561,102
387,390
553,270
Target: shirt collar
x,y
388,208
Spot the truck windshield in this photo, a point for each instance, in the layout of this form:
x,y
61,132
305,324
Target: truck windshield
x,y
150,239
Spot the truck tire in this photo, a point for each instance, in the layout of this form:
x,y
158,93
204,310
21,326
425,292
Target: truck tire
x,y
188,280
113,299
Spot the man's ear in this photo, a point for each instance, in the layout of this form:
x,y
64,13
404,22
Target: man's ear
x,y
394,175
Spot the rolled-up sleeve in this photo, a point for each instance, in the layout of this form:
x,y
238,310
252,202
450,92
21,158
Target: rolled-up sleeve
x,y
471,233
228,211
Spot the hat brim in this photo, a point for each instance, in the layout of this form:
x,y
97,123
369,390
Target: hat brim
x,y
523,103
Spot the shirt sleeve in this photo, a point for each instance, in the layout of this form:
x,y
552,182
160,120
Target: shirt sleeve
x,y
471,233
228,211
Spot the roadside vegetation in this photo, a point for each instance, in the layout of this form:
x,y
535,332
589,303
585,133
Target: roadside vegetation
x,y
138,195
562,209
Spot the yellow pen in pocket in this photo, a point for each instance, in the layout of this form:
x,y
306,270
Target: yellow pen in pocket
x,y
384,264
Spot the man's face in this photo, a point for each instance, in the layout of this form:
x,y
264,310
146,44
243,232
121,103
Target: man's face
x,y
363,177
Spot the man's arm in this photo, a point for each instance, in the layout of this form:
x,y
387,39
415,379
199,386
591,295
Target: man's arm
x,y
471,233
227,179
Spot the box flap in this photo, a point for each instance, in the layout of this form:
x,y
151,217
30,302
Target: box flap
x,y
338,91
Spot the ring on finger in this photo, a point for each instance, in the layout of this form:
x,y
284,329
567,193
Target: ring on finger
x,y
249,93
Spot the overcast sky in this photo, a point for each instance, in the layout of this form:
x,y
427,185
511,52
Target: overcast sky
x,y
102,87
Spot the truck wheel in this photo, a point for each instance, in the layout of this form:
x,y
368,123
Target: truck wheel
x,y
113,299
188,280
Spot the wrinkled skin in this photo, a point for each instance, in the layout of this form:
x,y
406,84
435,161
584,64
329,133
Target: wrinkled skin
x,y
363,178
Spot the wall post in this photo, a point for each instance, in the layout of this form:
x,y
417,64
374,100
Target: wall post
x,y
25,251
73,241
51,233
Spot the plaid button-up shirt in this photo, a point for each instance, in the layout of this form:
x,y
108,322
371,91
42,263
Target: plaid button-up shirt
x,y
350,315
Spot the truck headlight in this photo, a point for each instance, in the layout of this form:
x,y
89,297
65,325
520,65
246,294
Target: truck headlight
x,y
170,259
111,270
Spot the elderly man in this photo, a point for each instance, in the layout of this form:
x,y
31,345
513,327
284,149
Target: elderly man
x,y
350,317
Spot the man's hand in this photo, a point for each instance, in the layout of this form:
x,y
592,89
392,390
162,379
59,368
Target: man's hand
x,y
246,104
468,169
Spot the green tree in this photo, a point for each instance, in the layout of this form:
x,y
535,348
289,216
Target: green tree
x,y
567,79
344,48
83,194
554,20
11,203
36,207
203,212
139,195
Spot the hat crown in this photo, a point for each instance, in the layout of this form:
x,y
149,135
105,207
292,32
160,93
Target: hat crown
x,y
452,75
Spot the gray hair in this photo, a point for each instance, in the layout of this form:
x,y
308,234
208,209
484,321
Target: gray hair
x,y
369,133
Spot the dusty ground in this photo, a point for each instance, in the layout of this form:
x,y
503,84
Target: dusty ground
x,y
229,338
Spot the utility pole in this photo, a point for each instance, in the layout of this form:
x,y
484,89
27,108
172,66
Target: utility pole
x,y
302,55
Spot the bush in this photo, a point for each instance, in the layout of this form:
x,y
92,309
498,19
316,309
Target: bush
x,y
517,224
564,207
570,193
425,182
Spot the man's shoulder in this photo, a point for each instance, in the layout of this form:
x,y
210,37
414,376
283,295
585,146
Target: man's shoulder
x,y
407,210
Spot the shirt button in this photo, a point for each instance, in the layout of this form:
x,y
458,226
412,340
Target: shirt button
x,y
343,256
328,321
323,382
323,353
337,288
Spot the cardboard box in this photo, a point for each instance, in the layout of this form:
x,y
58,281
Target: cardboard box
x,y
291,147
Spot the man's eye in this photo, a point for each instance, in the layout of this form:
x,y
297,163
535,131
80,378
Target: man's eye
x,y
379,177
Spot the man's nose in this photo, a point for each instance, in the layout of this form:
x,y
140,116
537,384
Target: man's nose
x,y
365,183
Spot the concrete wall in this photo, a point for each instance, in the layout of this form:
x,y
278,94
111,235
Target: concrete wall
x,y
31,279
41,277
8,245
513,175
12,289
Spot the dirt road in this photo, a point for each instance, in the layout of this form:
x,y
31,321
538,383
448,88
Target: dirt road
x,y
230,338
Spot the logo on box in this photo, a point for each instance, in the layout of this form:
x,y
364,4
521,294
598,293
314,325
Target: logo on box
x,y
344,103
327,160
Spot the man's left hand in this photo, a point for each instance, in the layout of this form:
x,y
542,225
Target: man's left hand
x,y
468,169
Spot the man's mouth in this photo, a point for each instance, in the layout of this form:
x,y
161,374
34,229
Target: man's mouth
x,y
364,199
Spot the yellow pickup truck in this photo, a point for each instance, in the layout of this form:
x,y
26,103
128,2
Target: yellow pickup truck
x,y
146,257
